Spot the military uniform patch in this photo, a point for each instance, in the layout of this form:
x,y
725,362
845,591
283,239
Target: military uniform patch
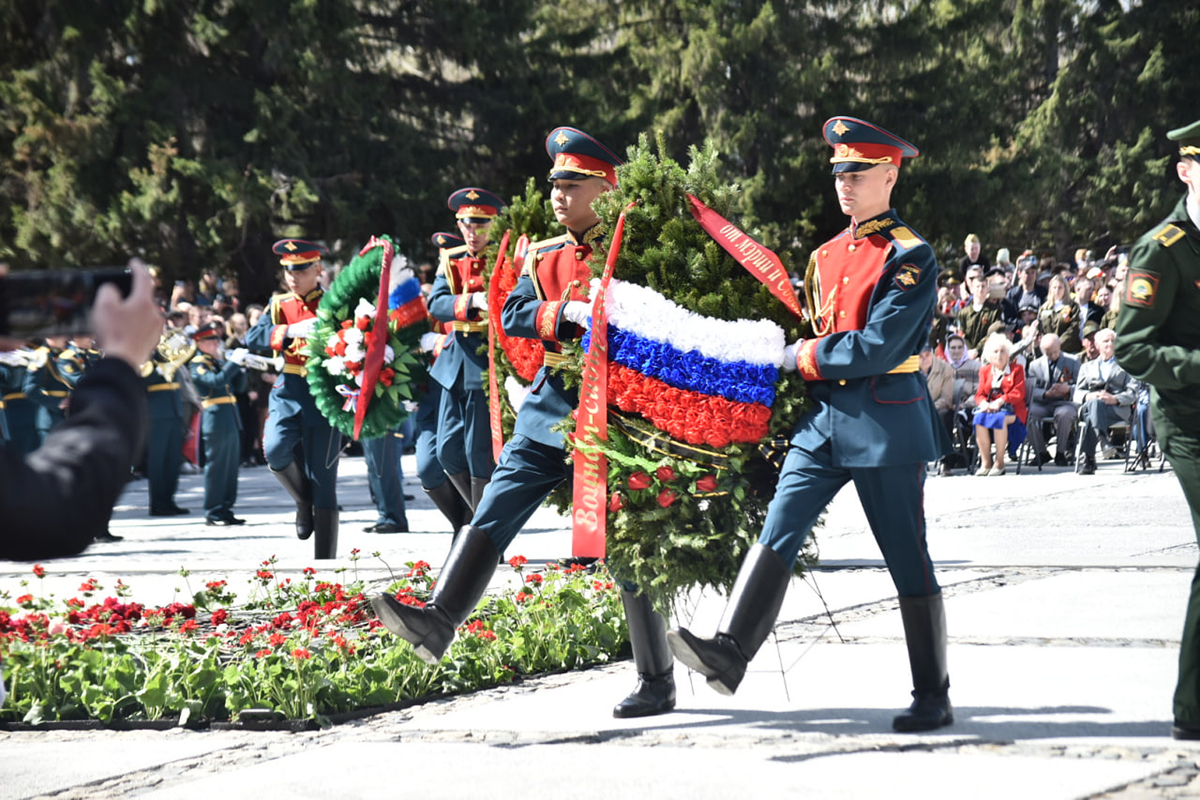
x,y
907,277
1141,287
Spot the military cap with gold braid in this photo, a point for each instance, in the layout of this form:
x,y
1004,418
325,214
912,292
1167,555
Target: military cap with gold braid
x,y
1189,140
859,145
298,253
212,330
475,205
577,155
446,240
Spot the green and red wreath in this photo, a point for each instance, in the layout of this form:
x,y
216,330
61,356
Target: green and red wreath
x,y
358,379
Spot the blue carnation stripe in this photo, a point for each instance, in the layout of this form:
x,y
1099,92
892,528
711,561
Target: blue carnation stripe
x,y
739,381
405,292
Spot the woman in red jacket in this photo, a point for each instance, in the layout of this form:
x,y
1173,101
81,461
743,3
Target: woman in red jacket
x,y
999,403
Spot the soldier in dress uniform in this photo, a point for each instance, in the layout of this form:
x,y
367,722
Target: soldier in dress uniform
x,y
164,401
548,303
75,360
872,291
45,387
432,475
385,478
1158,341
301,447
218,382
19,411
459,298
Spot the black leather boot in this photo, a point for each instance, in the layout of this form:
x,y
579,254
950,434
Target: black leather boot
x,y
655,691
451,504
326,526
463,580
462,482
297,484
925,633
750,615
477,487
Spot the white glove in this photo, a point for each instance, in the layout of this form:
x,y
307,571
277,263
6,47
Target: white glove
x,y
302,330
237,356
479,300
577,311
789,355
429,341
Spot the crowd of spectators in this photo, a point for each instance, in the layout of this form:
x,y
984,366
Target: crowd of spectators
x,y
1035,324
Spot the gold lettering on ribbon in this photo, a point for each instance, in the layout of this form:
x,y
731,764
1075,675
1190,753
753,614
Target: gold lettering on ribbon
x,y
758,260
590,499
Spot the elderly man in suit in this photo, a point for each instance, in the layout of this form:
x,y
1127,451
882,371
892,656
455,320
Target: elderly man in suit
x,y
1105,393
1051,379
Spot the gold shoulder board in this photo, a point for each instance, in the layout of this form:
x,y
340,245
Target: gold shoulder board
x,y
1169,235
905,238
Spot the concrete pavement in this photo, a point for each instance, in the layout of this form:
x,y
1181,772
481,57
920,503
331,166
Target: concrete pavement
x,y
1064,594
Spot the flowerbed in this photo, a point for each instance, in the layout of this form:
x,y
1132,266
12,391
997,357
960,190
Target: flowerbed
x,y
299,649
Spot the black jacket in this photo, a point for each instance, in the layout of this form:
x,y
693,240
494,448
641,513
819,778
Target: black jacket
x,y
54,501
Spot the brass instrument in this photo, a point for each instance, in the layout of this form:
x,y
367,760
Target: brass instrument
x,y
175,349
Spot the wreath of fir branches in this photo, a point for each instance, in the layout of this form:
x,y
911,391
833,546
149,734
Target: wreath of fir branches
x,y
683,516
359,281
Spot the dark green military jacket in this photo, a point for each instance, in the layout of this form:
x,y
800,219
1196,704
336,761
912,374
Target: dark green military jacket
x,y
1158,328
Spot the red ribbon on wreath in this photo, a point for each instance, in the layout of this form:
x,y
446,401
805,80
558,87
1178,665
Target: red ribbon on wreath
x,y
758,260
378,335
494,419
590,500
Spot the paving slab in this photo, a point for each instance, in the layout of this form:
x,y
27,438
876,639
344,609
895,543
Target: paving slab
x,y
630,770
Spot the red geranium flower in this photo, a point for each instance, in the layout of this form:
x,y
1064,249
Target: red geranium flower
x,y
219,616
518,561
301,653
39,570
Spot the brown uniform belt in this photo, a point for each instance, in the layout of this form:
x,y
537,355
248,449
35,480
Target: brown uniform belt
x,y
218,401
469,327
162,387
296,369
553,359
15,396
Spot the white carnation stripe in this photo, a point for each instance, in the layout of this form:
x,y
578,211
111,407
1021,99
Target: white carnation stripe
x,y
646,313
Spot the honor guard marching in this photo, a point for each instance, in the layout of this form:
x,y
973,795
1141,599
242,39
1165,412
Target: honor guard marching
x,y
549,303
871,290
45,387
300,446
218,381
1158,341
164,401
432,475
459,298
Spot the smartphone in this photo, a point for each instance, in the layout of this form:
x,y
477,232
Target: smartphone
x,y
39,303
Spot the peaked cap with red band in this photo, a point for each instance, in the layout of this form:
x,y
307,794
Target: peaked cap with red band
x,y
446,240
475,205
298,253
212,330
859,145
578,155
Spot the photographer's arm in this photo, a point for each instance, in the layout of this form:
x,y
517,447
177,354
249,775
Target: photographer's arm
x,y
55,501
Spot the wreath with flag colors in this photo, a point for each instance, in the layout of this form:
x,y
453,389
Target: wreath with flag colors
x,y
697,410
362,358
